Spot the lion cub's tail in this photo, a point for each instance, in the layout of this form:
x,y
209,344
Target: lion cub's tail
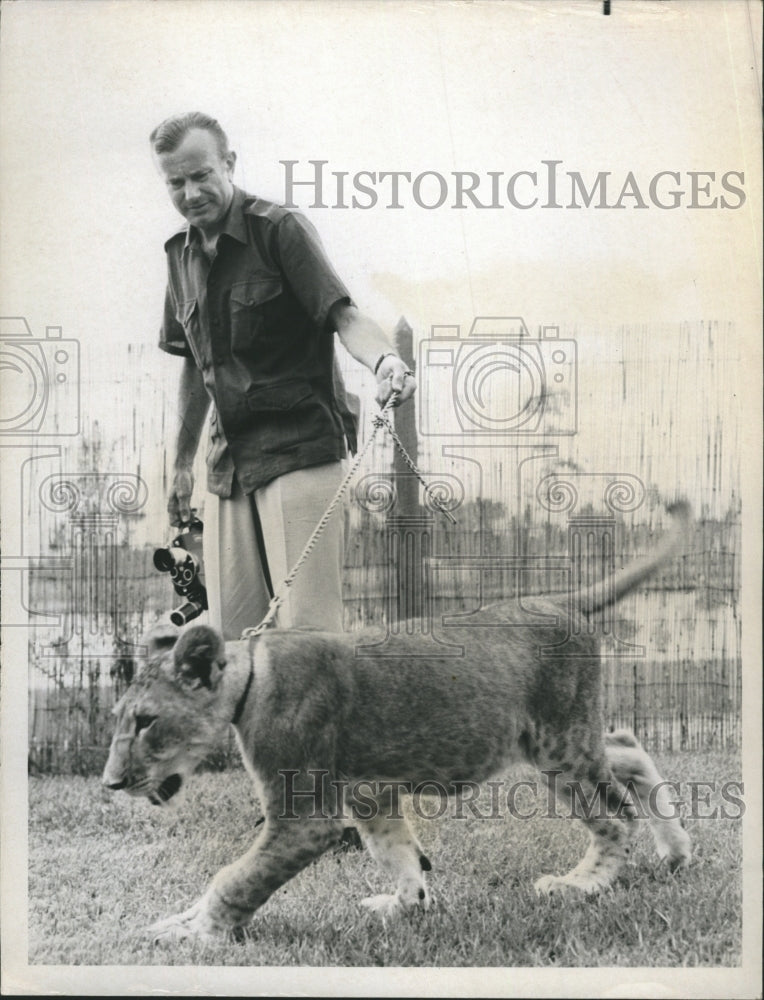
x,y
611,590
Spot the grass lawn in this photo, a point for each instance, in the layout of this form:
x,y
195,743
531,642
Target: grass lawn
x,y
103,866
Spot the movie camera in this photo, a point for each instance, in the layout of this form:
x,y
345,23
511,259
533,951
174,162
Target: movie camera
x,y
182,559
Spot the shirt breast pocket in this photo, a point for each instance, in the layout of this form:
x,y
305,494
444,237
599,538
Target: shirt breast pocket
x,y
253,309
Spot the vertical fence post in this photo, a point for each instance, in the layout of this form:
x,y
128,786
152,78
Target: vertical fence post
x,y
406,482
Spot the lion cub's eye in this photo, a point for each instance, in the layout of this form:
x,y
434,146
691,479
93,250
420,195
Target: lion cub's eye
x,y
143,722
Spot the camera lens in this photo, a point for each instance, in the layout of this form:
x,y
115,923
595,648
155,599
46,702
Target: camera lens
x,y
186,613
163,560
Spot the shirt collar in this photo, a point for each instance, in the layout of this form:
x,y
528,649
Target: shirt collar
x,y
234,227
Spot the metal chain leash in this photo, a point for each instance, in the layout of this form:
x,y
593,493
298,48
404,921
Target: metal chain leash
x,y
435,500
379,421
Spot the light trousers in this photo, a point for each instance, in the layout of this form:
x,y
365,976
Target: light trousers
x,y
283,514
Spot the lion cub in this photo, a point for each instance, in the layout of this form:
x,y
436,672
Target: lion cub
x,y
315,719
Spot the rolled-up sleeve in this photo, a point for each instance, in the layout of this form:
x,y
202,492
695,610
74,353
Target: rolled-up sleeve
x,y
308,270
172,336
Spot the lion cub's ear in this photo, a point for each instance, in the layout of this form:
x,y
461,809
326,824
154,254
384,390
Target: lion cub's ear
x,y
160,638
200,656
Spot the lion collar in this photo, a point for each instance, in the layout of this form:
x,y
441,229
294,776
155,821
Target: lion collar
x,y
244,695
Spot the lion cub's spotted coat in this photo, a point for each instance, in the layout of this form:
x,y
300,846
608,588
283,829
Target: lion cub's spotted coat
x,y
304,701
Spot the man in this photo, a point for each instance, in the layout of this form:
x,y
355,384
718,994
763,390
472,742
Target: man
x,y
252,306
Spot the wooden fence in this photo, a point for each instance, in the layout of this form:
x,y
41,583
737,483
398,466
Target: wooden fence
x,y
658,399
681,691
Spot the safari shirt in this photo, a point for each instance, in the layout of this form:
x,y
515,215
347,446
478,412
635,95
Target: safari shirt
x,y
255,321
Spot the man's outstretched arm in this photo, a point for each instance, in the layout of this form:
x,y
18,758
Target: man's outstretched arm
x,y
366,341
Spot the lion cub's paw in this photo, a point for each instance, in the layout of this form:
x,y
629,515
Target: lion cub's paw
x,y
385,904
192,923
675,848
393,904
550,885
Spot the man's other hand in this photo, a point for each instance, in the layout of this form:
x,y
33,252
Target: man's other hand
x,y
179,503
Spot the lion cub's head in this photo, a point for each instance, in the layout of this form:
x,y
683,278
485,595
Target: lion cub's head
x,y
167,720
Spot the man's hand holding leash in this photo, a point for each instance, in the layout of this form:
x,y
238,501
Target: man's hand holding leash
x,y
393,376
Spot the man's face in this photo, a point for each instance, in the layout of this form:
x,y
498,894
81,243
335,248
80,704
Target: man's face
x,y
199,180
